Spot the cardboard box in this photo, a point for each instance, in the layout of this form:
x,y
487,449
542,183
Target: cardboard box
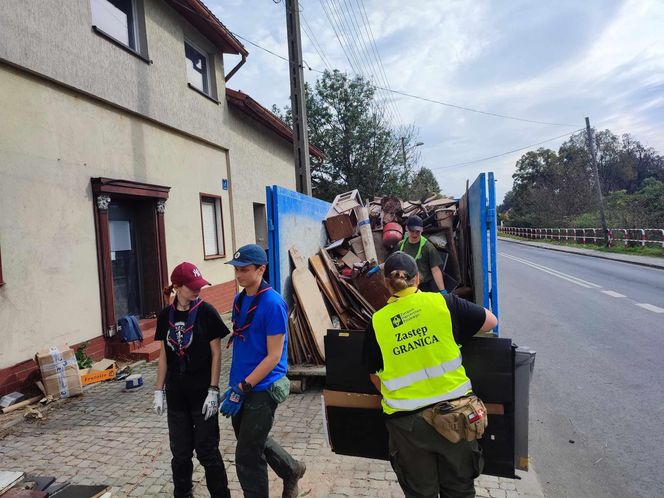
x,y
344,399
102,370
341,226
59,371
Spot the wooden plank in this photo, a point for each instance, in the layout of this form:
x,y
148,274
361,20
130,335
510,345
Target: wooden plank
x,y
325,284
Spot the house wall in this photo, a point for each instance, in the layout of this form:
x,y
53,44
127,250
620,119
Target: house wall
x,y
54,38
52,142
75,106
258,158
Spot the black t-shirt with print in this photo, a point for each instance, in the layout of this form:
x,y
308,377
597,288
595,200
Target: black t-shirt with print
x,y
467,319
198,357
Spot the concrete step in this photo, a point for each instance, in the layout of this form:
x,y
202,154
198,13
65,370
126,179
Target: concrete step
x,y
149,352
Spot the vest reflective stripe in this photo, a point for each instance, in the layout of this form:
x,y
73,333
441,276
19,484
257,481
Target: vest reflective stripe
x,y
414,404
421,360
425,373
423,242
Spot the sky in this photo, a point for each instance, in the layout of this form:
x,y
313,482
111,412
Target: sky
x,y
545,61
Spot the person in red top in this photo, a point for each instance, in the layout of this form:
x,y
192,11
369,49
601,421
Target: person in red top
x,y
187,386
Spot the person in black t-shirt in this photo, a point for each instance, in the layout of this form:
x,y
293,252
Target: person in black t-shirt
x,y
187,385
413,358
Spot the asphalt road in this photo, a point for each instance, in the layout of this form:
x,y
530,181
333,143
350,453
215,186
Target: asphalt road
x,y
597,395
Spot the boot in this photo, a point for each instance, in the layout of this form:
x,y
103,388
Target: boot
x,y
290,485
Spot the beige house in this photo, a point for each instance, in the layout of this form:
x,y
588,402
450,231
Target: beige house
x,y
122,153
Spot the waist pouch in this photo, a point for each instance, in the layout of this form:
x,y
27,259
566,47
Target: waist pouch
x,y
462,418
280,389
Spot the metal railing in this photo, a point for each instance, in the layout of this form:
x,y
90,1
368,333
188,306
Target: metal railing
x,y
628,237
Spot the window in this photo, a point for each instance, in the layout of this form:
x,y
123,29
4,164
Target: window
x,y
122,21
2,282
198,70
213,227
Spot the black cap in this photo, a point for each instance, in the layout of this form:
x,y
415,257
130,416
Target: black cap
x,y
400,261
415,223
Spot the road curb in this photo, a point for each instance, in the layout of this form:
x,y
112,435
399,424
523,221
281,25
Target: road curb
x,y
542,245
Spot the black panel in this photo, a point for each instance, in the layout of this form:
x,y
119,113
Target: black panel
x,y
358,432
489,363
498,446
344,370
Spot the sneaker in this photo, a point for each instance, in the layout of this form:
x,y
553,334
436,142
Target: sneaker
x,y
290,485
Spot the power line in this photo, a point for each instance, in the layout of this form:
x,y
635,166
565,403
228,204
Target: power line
x,y
317,46
470,109
339,25
405,94
505,153
374,47
363,48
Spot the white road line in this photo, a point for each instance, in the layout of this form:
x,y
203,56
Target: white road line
x,y
650,307
555,273
613,294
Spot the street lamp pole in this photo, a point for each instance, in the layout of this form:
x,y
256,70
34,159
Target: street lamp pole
x,y
403,149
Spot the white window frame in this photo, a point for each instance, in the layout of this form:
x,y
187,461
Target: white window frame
x,y
207,79
133,27
218,225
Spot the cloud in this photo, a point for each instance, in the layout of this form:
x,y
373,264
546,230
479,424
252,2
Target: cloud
x,y
555,62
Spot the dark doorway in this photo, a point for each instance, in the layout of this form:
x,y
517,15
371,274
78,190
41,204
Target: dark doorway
x,y
134,257
260,225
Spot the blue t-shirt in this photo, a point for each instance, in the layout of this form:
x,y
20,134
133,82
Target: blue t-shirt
x,y
271,318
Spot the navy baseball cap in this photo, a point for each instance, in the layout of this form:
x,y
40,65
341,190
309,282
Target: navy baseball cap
x,y
400,261
251,254
415,223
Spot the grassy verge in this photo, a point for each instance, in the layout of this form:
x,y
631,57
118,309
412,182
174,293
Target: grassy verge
x,y
637,250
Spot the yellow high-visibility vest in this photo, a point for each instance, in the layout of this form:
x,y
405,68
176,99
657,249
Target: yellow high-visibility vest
x,y
421,360
423,242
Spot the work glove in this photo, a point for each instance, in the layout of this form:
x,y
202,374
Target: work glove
x,y
159,404
211,404
375,269
233,399
444,292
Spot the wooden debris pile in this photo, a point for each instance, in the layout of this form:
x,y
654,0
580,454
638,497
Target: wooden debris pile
x,y
334,288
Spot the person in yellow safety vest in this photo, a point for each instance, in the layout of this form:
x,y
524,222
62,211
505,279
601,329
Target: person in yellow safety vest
x,y
427,256
412,356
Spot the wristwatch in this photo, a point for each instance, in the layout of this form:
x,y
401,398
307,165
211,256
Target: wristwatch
x,y
245,386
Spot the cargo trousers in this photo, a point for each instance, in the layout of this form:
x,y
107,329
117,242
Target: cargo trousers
x,y
188,431
427,465
255,449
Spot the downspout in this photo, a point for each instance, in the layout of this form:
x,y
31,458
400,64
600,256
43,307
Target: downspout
x,y
236,68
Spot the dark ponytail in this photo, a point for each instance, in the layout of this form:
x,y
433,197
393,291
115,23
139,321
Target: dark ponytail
x,y
168,291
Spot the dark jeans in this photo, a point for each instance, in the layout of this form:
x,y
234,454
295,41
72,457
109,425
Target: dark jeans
x,y
255,449
428,465
188,431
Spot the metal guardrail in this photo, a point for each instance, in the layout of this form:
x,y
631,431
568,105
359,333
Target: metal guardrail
x,y
628,237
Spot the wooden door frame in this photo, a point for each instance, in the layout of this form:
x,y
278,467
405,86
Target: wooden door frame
x,y
103,189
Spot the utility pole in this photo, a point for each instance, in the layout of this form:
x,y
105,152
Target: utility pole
x,y
298,105
593,156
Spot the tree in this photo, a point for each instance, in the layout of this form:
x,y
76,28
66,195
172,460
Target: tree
x,y
361,151
557,188
422,185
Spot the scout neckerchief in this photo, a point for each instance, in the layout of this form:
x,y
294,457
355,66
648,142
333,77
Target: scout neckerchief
x,y
238,330
179,339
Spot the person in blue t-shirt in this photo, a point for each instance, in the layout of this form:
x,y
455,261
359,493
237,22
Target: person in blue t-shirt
x,y
258,378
